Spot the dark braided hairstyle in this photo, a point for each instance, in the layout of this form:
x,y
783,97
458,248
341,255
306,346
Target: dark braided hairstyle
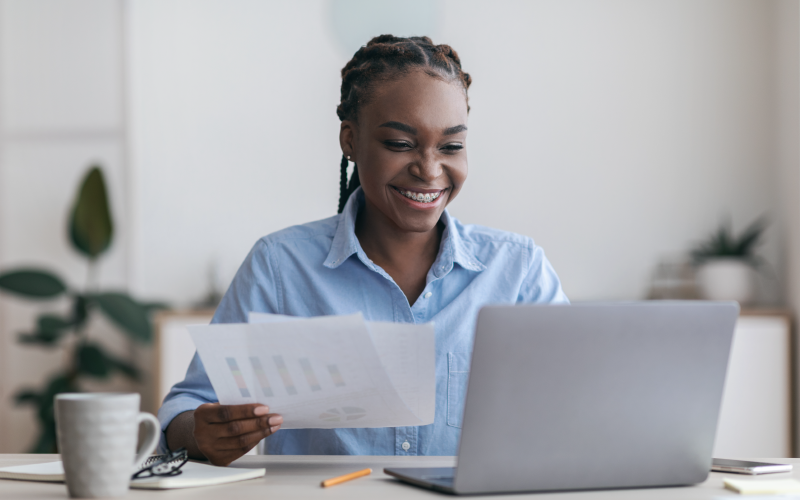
x,y
385,58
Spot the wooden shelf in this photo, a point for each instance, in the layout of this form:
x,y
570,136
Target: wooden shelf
x,y
766,311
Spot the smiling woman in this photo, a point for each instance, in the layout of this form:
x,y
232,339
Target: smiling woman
x,y
393,253
404,114
387,59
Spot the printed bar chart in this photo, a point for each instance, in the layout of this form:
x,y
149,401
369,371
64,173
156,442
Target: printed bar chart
x,y
283,371
237,376
338,381
325,372
261,376
285,376
311,377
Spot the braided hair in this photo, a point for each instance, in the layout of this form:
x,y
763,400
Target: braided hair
x,y
384,58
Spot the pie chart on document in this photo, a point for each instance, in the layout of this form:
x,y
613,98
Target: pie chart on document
x,y
343,414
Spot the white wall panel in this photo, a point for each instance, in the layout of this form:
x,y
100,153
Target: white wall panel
x,y
60,66
234,132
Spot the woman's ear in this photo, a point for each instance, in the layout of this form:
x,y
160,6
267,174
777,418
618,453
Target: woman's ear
x,y
347,139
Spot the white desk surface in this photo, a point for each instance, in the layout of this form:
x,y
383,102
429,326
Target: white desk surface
x,y
290,477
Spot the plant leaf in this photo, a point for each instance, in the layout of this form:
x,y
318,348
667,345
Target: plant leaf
x,y
723,242
751,236
58,384
46,339
27,396
79,310
124,367
91,227
127,313
50,329
92,361
46,442
32,283
52,323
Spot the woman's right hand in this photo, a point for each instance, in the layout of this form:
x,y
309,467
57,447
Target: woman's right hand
x,y
224,433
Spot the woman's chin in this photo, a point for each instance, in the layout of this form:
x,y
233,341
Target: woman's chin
x,y
417,222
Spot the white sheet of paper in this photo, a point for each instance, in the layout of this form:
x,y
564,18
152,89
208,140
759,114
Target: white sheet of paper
x,y
318,373
408,354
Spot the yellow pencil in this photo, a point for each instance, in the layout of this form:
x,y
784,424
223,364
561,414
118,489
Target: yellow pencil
x,y
347,477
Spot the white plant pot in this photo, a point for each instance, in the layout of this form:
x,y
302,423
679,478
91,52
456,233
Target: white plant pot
x,y
726,279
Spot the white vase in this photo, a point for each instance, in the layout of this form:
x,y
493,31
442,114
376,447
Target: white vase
x,y
726,278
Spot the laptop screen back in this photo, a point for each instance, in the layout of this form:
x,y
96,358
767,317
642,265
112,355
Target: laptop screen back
x,y
593,396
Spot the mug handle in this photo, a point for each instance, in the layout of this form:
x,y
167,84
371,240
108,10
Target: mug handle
x,y
153,429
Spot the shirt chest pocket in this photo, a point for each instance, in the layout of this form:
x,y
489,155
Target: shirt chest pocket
x,y
457,378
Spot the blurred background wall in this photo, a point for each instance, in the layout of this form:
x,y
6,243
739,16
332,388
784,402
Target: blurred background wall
x,y
616,133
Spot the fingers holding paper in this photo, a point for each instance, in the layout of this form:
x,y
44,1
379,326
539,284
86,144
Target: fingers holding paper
x,y
226,432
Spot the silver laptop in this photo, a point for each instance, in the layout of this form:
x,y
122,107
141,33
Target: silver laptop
x,y
589,396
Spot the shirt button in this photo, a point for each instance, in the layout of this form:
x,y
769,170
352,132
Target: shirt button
x,y
428,295
405,446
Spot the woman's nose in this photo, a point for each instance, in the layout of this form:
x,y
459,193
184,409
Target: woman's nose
x,y
427,167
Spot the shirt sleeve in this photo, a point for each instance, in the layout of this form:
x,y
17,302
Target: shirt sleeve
x,y
255,287
541,283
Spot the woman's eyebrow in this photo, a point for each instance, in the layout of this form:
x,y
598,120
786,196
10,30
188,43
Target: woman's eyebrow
x,y
455,130
402,127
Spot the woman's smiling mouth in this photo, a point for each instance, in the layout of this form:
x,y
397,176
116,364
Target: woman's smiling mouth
x,y
418,196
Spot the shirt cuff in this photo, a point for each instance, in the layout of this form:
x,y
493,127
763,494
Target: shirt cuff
x,y
171,409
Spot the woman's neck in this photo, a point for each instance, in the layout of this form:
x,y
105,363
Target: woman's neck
x,y
406,256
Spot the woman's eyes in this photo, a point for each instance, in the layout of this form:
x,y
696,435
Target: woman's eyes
x,y
453,148
398,144
405,146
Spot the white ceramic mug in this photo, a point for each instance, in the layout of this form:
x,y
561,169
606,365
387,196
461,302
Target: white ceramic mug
x,y
97,436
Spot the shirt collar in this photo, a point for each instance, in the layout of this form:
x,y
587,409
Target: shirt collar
x,y
345,242
453,248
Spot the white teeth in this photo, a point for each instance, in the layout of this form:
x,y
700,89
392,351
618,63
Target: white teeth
x,y
420,197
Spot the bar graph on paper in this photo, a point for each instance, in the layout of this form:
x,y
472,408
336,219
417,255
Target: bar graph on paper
x,y
283,371
237,377
338,381
261,376
311,377
286,379
324,372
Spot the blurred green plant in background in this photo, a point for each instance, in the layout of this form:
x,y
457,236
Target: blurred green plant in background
x,y
91,230
723,243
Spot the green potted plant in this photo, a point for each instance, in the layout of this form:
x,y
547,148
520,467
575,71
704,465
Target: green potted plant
x,y
90,233
725,262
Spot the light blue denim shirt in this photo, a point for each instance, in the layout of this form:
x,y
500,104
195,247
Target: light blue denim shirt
x,y
320,269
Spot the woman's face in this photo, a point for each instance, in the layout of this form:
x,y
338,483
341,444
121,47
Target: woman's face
x,y
410,146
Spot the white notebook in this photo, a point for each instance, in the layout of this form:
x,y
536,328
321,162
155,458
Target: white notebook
x,y
193,475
